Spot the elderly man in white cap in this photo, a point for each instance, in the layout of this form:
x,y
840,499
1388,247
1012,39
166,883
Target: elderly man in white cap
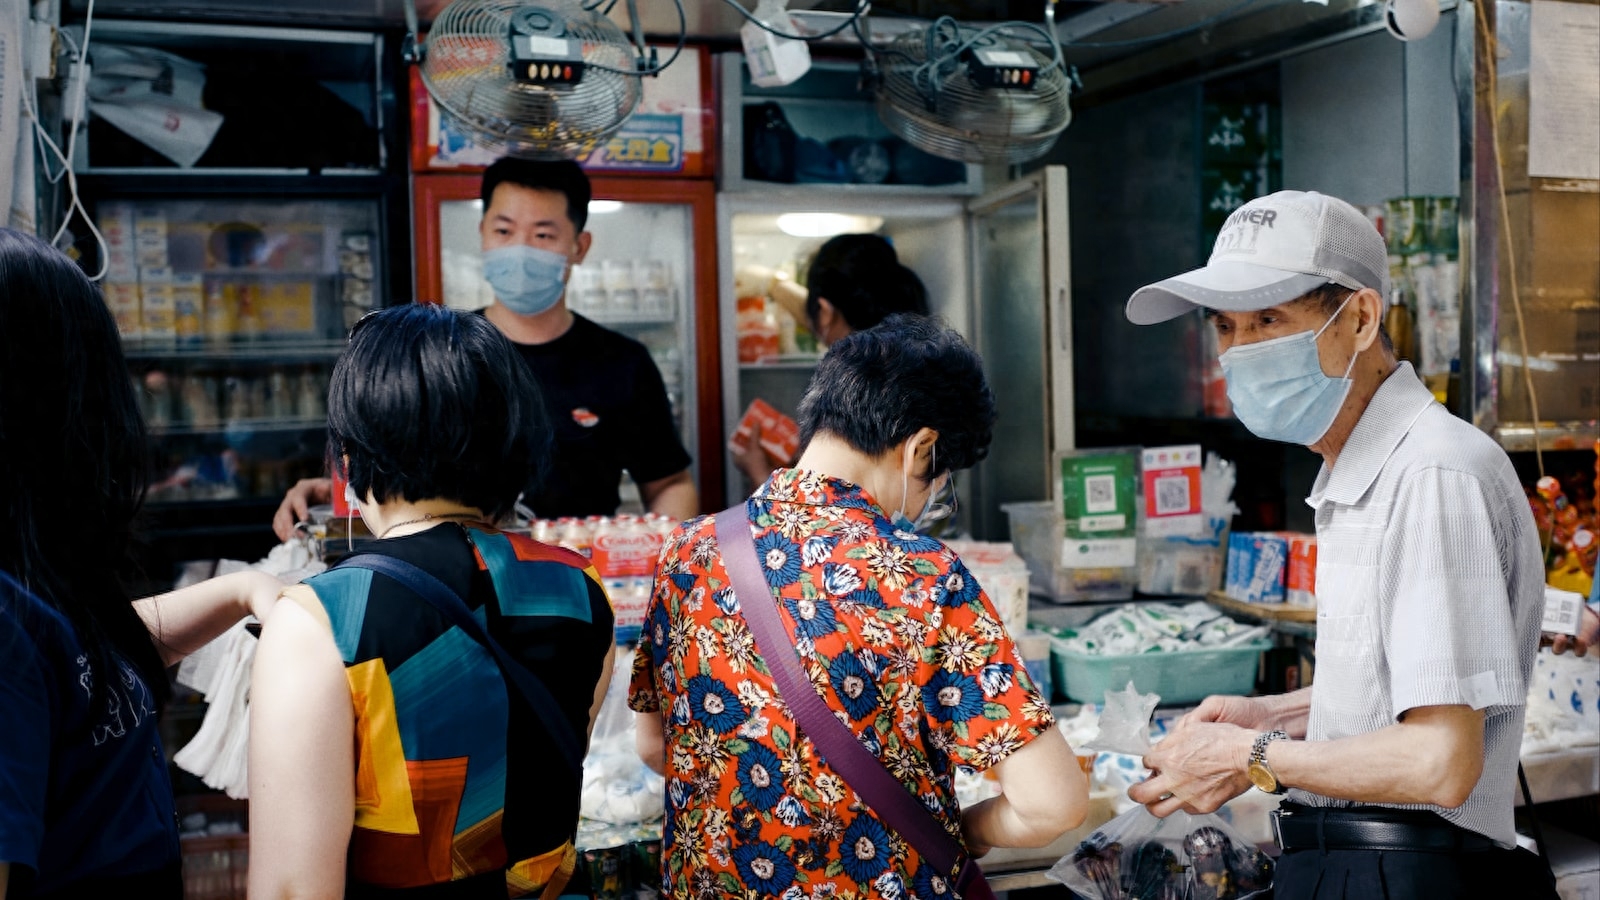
x,y
1400,764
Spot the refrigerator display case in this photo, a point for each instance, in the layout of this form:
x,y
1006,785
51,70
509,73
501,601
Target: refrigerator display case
x,y
996,269
233,279
232,313
649,275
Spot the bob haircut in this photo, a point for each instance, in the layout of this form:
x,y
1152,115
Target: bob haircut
x,y
563,176
860,275
877,387
429,402
73,448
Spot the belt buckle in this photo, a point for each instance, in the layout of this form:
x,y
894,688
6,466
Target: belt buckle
x,y
1277,827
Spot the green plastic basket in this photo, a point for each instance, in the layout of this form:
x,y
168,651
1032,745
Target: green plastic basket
x,y
1179,678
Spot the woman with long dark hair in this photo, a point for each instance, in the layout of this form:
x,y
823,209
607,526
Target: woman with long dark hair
x,y
85,802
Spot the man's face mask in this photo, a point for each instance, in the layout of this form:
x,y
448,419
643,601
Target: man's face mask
x,y
527,280
1279,390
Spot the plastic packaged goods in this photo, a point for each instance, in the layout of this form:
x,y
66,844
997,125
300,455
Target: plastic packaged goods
x,y
1182,653
1257,564
1002,575
1137,856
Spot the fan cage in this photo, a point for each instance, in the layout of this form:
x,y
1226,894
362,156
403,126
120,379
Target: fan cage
x,y
465,69
964,122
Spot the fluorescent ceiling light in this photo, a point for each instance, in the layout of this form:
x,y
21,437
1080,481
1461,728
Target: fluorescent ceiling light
x,y
601,207
811,225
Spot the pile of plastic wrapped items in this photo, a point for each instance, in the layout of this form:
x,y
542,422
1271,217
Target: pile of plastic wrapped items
x,y
1158,627
1563,709
1003,576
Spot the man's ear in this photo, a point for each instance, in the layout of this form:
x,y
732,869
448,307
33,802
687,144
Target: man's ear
x,y
1369,317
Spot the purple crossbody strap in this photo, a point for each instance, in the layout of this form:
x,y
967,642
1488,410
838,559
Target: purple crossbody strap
x,y
842,750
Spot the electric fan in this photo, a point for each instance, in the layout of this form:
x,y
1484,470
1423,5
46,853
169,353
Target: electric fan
x,y
541,80
973,95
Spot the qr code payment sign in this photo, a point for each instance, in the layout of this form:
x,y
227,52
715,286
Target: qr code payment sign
x,y
1172,495
1100,494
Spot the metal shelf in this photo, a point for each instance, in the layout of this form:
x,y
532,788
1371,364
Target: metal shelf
x,y
804,365
1519,436
260,350
236,425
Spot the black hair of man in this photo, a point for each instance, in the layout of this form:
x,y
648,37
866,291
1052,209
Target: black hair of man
x,y
563,176
74,452
432,403
861,276
878,387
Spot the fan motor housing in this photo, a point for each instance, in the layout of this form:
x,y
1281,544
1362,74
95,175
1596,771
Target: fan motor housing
x,y
993,67
541,53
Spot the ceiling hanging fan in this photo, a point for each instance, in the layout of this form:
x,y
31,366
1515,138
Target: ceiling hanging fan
x,y
540,79
978,95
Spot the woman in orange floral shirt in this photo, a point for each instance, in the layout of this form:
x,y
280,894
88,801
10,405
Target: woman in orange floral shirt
x,y
894,632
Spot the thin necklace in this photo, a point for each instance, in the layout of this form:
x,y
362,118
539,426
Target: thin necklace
x,y
428,518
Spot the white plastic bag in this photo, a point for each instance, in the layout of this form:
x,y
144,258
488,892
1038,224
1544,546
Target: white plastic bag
x,y
1137,856
617,786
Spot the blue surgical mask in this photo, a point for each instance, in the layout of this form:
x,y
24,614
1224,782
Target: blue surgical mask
x,y
1279,390
939,506
527,280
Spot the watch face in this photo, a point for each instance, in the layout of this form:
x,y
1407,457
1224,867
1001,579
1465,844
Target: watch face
x,y
1262,777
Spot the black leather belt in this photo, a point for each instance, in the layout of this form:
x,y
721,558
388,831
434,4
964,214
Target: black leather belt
x,y
1298,827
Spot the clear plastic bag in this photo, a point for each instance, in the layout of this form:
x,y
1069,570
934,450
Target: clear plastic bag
x,y
1137,856
617,786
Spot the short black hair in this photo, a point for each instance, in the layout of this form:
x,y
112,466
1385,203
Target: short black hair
x,y
429,402
862,277
564,176
877,387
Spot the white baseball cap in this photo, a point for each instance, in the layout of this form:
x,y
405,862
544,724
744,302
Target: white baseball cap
x,y
1272,250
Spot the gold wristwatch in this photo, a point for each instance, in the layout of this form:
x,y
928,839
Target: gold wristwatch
x,y
1261,774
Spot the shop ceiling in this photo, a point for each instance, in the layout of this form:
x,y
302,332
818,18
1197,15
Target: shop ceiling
x,y
1105,39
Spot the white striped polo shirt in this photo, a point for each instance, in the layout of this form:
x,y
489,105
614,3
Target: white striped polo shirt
x,y
1430,588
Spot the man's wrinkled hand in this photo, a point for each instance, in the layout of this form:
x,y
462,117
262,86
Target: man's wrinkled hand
x,y
1197,768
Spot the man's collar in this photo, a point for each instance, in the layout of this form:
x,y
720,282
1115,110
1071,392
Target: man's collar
x,y
1386,420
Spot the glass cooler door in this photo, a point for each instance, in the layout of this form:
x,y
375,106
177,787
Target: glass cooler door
x,y
232,314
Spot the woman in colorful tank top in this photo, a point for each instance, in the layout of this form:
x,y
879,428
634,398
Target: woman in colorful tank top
x,y
453,785
893,631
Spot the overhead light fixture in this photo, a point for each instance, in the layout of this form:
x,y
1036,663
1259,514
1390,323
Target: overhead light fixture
x,y
601,207
812,225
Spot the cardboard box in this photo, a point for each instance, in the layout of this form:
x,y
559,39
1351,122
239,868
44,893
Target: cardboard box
x,y
1300,582
1564,232
122,298
157,303
188,305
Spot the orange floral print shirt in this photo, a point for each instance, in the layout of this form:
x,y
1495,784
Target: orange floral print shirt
x,y
894,633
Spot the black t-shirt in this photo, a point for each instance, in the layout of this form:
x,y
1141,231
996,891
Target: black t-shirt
x,y
610,412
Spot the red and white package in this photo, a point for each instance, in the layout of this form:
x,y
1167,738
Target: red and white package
x,y
1301,580
780,435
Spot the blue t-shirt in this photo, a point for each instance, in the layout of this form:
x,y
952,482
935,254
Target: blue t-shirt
x,y
84,792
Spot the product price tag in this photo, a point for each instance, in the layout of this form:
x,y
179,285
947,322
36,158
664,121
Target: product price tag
x,y
1098,504
1172,491
1563,611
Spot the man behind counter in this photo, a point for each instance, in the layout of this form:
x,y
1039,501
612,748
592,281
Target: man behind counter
x,y
601,389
